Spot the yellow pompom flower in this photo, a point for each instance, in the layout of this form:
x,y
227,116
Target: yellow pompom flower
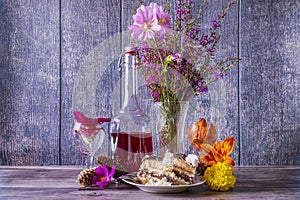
x,y
219,177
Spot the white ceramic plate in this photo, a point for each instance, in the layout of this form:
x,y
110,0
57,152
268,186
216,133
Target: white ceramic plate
x,y
162,189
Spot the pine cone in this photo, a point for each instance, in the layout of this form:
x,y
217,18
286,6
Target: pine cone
x,y
85,176
201,168
109,163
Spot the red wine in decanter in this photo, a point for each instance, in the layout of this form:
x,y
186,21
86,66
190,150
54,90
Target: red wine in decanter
x,y
135,142
131,148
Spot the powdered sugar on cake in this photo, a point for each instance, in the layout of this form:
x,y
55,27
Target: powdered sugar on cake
x,y
192,159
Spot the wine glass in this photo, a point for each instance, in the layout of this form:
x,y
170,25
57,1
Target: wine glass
x,y
89,135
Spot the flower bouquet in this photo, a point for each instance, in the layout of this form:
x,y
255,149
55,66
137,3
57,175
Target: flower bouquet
x,y
176,58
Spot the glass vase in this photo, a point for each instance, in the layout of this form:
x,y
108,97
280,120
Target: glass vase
x,y
169,125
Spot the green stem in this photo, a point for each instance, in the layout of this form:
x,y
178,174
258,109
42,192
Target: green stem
x,y
156,47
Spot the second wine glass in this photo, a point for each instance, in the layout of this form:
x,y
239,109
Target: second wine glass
x,y
89,136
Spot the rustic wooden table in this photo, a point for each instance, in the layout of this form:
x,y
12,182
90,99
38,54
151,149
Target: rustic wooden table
x,y
59,182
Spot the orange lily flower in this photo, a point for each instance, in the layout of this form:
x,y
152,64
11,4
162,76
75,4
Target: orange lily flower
x,y
219,152
200,133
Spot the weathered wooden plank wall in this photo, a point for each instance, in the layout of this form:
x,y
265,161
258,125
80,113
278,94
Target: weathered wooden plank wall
x,y
30,86
269,82
58,56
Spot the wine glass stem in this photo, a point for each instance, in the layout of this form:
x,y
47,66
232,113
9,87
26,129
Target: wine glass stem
x,y
90,161
90,158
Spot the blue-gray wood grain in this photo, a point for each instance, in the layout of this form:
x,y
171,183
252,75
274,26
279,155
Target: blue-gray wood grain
x,y
269,82
29,71
46,49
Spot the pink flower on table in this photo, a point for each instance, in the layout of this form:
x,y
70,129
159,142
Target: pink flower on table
x,y
145,24
103,176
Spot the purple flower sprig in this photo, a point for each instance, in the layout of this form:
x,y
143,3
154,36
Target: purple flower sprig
x,y
209,43
103,176
179,12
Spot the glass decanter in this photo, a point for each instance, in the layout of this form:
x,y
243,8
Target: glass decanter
x,y
131,135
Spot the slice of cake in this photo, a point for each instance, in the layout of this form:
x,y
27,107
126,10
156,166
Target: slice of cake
x,y
185,170
156,171
175,169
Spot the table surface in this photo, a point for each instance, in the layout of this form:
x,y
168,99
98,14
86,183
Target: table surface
x,y
60,182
